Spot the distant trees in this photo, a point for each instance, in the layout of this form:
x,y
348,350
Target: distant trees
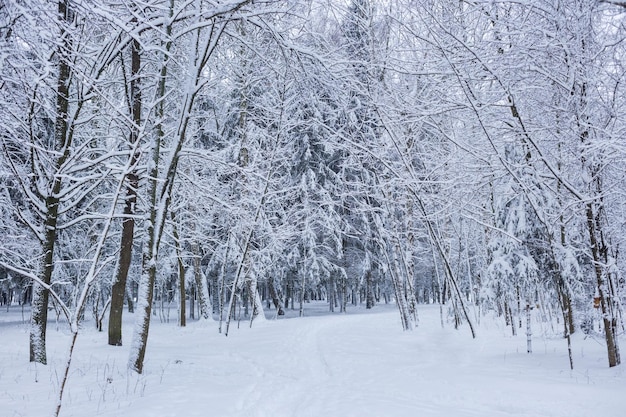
x,y
531,96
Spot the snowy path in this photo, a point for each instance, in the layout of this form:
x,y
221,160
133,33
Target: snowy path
x,y
340,365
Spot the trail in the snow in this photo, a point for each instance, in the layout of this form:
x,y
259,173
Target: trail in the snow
x,y
355,364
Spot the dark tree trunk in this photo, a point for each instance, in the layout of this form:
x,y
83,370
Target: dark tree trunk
x,y
331,294
62,138
192,302
182,317
202,289
369,290
150,252
608,319
118,290
278,303
129,299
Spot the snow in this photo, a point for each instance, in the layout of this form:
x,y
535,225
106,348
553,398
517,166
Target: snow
x,y
355,364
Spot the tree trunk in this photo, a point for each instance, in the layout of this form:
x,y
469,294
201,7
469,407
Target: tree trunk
x,y
192,302
129,298
144,310
255,300
399,288
302,293
331,293
62,139
369,290
565,304
278,303
118,290
149,258
201,283
343,294
182,316
608,318
529,333
182,320
39,312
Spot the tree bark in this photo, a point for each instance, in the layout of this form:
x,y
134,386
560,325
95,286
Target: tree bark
x,y
369,290
118,290
149,257
278,303
182,316
62,140
605,307
201,284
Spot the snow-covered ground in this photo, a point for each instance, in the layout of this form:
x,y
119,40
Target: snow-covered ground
x,y
355,364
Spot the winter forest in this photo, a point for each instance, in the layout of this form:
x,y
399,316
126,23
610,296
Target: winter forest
x,y
183,161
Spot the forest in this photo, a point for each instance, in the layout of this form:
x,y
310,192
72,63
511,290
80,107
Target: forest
x,y
226,158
